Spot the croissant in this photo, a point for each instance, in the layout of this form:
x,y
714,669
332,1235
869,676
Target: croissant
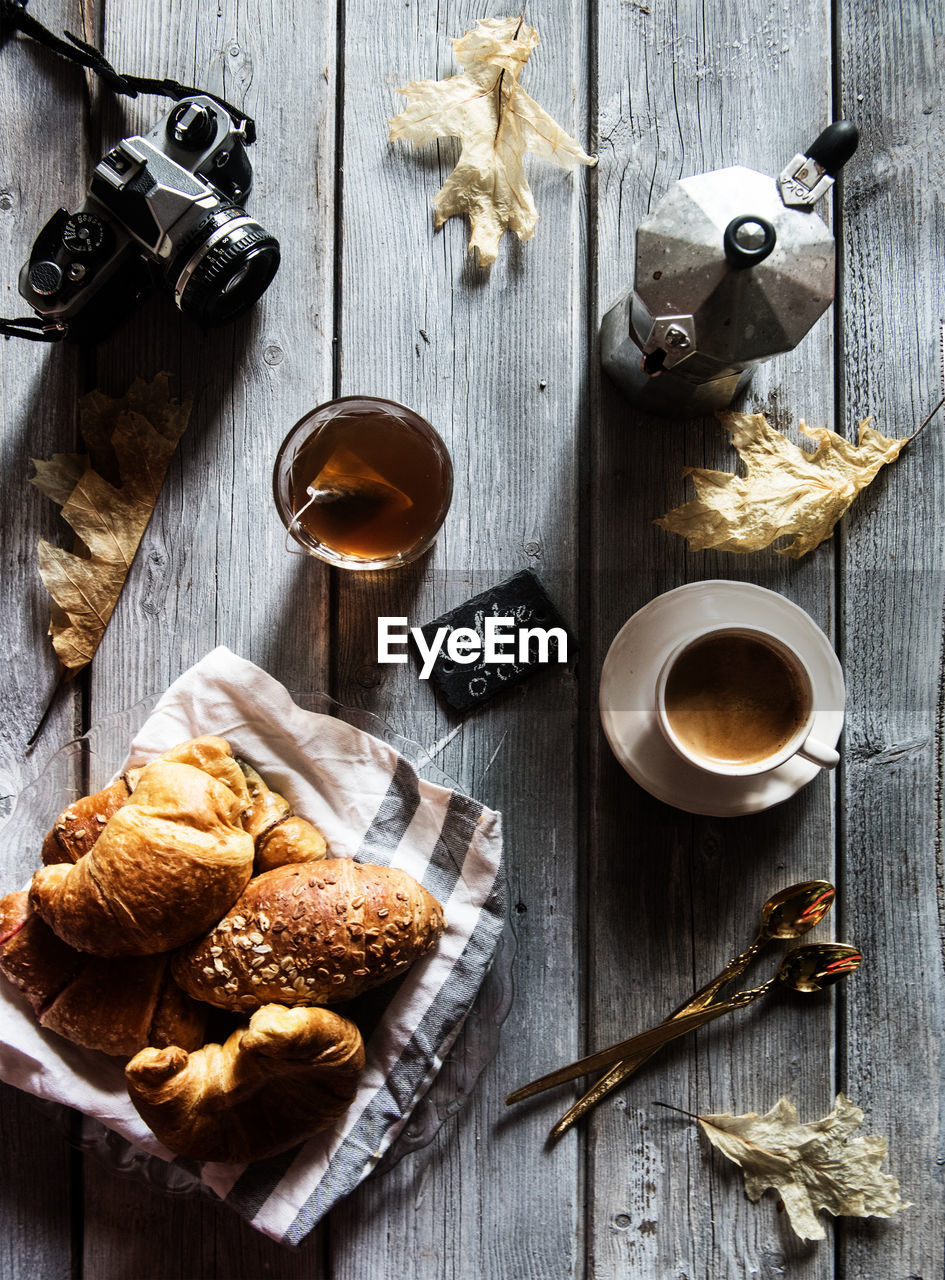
x,y
78,827
286,1076
278,834
210,755
118,1006
312,933
168,863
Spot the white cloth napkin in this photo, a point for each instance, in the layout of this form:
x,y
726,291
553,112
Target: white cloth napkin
x,y
371,805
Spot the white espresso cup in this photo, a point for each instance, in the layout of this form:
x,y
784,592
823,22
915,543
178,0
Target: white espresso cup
x,y
737,701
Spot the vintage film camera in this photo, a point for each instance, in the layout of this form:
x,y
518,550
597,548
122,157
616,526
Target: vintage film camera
x,y
163,209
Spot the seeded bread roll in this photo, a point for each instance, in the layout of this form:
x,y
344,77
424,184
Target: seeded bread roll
x,y
117,1006
78,827
312,933
271,1085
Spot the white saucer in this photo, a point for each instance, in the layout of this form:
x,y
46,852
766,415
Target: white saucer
x,y
628,682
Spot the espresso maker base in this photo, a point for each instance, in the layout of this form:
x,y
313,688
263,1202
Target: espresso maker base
x,y
668,394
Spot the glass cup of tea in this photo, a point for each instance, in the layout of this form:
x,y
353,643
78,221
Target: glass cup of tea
x,y
738,701
363,483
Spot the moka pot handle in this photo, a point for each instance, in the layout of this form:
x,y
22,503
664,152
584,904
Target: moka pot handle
x,y
834,147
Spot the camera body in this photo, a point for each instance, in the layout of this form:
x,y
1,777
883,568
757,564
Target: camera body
x,y
163,209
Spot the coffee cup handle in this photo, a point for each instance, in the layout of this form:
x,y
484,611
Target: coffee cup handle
x,y
818,753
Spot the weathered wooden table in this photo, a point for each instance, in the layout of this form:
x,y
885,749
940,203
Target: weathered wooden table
x,y
621,905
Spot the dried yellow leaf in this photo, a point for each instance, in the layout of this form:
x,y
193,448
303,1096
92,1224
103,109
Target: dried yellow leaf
x,y
497,123
786,491
811,1166
131,440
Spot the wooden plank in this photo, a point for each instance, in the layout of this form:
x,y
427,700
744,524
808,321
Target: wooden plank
x,y
131,1229
684,89
680,91
892,81
35,1205
43,107
495,361
43,104
211,568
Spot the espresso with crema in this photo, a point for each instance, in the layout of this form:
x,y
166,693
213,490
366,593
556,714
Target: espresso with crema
x,y
733,699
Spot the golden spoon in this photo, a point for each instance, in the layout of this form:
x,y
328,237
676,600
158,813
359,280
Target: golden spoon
x,y
807,969
787,915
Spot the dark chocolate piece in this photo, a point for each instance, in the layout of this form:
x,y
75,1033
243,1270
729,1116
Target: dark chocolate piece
x,y
524,600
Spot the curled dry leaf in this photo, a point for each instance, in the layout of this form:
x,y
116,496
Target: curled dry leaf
x,y
107,498
497,123
785,492
812,1166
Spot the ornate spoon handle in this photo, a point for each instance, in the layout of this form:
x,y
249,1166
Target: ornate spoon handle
x,y
626,1066
646,1042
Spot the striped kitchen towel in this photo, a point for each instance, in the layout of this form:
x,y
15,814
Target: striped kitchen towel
x,y
371,805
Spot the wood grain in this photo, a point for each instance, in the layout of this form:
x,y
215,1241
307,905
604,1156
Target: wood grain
x,y
621,904
684,89
43,109
212,568
422,324
892,606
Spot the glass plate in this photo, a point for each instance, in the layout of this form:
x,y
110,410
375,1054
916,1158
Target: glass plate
x,y
85,765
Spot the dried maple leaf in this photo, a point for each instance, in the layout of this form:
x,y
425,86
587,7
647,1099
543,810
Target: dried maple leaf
x,y
130,441
811,1166
497,123
786,491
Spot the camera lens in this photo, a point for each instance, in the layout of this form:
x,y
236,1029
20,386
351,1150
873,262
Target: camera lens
x,y
228,271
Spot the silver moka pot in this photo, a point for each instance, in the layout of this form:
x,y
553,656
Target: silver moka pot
x,y
732,267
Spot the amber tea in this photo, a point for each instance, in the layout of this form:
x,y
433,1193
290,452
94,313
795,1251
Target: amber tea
x,y
363,483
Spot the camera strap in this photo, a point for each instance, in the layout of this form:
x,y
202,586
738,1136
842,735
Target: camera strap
x,y
13,17
33,329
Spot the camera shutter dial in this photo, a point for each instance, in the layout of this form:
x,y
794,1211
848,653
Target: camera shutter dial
x,y
191,126
84,234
